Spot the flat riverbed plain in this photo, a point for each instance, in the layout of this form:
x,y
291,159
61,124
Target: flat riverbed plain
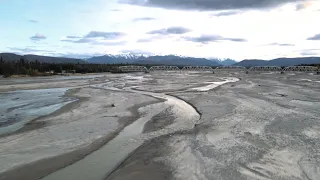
x,y
162,125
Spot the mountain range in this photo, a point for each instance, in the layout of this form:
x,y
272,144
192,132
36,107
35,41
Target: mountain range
x,y
280,62
43,59
181,60
157,60
163,60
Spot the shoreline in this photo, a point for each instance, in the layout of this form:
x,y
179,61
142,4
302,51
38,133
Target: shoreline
x,y
37,124
49,75
41,168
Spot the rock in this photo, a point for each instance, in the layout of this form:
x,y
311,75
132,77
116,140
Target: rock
x,y
247,133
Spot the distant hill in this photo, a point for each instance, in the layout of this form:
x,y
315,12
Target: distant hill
x,y
163,60
253,62
280,62
43,59
10,56
156,60
294,61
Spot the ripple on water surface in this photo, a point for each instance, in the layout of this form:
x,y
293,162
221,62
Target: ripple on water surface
x,y
17,108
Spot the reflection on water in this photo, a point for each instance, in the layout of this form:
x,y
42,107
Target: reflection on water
x,y
17,108
48,78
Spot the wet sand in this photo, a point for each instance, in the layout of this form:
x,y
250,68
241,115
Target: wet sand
x,y
130,138
42,168
37,123
261,127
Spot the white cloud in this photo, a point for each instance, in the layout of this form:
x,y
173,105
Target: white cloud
x,y
282,26
38,37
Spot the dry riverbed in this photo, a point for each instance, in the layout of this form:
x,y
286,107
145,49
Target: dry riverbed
x,y
165,126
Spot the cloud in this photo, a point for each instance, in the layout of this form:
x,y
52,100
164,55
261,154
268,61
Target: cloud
x,y
27,50
94,38
33,21
212,38
76,55
114,10
150,38
144,40
303,5
84,40
93,35
135,51
209,5
105,35
315,37
38,37
300,6
117,43
280,44
94,42
310,50
309,53
144,19
73,37
235,39
170,30
226,13
81,40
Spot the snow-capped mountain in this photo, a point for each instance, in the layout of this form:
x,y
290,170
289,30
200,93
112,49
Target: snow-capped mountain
x,y
224,62
154,59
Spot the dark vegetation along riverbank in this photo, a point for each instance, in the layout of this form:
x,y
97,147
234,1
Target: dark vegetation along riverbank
x,y
36,68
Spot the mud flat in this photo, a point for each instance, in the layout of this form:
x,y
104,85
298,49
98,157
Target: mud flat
x,y
110,156
261,127
174,126
68,134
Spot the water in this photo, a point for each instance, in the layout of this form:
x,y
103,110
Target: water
x,y
18,108
99,164
49,78
213,85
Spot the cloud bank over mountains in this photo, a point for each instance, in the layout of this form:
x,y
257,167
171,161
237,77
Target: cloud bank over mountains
x,y
236,29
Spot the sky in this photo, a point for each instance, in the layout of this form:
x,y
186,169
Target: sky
x,y
236,29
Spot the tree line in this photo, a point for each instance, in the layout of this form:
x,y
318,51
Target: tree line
x,y
36,68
